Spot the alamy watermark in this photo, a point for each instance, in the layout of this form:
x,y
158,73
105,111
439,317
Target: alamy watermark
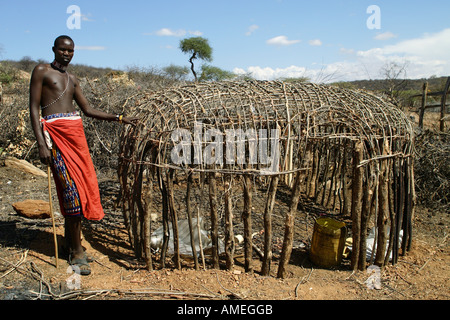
x,y
73,282
74,20
231,147
374,20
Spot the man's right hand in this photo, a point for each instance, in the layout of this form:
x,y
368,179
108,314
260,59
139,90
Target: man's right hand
x,y
45,155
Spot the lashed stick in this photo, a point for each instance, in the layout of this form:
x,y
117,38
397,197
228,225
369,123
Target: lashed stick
x,y
52,215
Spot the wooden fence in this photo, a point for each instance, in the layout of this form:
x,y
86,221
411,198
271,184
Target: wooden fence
x,y
443,105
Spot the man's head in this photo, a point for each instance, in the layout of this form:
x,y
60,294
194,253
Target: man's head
x,y
63,49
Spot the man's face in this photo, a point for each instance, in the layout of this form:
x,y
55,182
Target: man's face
x,y
64,51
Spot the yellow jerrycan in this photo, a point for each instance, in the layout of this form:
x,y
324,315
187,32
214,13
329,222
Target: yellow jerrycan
x,y
328,242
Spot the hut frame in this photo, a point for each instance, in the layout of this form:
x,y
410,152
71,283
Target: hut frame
x,y
348,150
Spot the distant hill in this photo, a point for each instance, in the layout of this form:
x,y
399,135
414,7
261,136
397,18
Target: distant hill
x,y
434,84
402,88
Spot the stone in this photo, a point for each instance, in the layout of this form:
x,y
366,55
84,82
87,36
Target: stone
x,y
33,209
24,166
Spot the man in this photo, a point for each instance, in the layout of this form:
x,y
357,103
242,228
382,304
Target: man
x,y
62,143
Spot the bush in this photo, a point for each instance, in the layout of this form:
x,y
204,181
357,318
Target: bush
x,y
8,74
432,169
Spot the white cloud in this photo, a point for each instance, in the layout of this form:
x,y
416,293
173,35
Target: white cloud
x,y
251,29
423,57
196,33
90,48
281,41
166,32
347,51
315,43
385,36
428,46
268,73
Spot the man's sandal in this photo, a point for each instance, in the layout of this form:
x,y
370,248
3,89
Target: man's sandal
x,y
82,265
66,252
88,257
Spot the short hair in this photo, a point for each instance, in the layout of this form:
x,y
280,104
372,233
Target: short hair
x,y
63,37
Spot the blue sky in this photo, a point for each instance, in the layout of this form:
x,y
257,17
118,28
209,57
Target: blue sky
x,y
325,40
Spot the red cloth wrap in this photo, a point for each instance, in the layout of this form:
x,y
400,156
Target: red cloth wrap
x,y
69,137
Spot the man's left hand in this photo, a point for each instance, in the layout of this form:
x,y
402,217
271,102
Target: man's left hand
x,y
130,120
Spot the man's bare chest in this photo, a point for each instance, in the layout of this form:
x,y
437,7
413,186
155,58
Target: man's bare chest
x,y
58,82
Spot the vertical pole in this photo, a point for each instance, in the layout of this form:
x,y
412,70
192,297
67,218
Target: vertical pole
x,y
214,219
357,193
265,269
289,228
52,215
443,106
229,234
247,219
424,103
383,211
147,225
189,215
174,217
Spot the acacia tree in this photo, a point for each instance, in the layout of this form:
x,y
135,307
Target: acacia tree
x,y
197,47
395,77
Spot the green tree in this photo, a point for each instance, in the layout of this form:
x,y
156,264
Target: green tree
x,y
197,47
295,79
175,72
211,73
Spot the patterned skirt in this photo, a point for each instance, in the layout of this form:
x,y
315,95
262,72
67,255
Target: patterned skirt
x,y
65,184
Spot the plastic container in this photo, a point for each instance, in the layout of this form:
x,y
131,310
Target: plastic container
x,y
328,242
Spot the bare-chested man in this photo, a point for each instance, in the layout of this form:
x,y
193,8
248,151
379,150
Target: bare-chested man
x,y
62,143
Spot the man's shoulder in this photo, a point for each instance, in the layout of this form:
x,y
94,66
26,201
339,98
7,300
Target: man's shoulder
x,y
73,78
41,68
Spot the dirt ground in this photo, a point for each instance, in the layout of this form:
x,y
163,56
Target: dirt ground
x,y
27,262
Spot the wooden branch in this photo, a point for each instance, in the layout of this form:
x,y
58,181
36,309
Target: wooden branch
x,y
247,219
147,226
189,215
229,233
165,218
214,219
289,228
174,217
270,202
356,204
424,103
383,211
443,105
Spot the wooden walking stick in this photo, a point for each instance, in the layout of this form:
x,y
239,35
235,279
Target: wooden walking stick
x,y
51,214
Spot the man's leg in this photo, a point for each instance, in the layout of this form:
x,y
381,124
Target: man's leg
x,y
73,228
76,251
71,203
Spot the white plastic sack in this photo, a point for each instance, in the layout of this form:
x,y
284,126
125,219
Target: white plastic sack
x,y
184,238
370,241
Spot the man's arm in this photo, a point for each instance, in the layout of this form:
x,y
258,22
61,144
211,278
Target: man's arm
x,y
84,105
36,82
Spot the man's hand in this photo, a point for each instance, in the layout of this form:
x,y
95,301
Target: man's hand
x,y
130,120
45,155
